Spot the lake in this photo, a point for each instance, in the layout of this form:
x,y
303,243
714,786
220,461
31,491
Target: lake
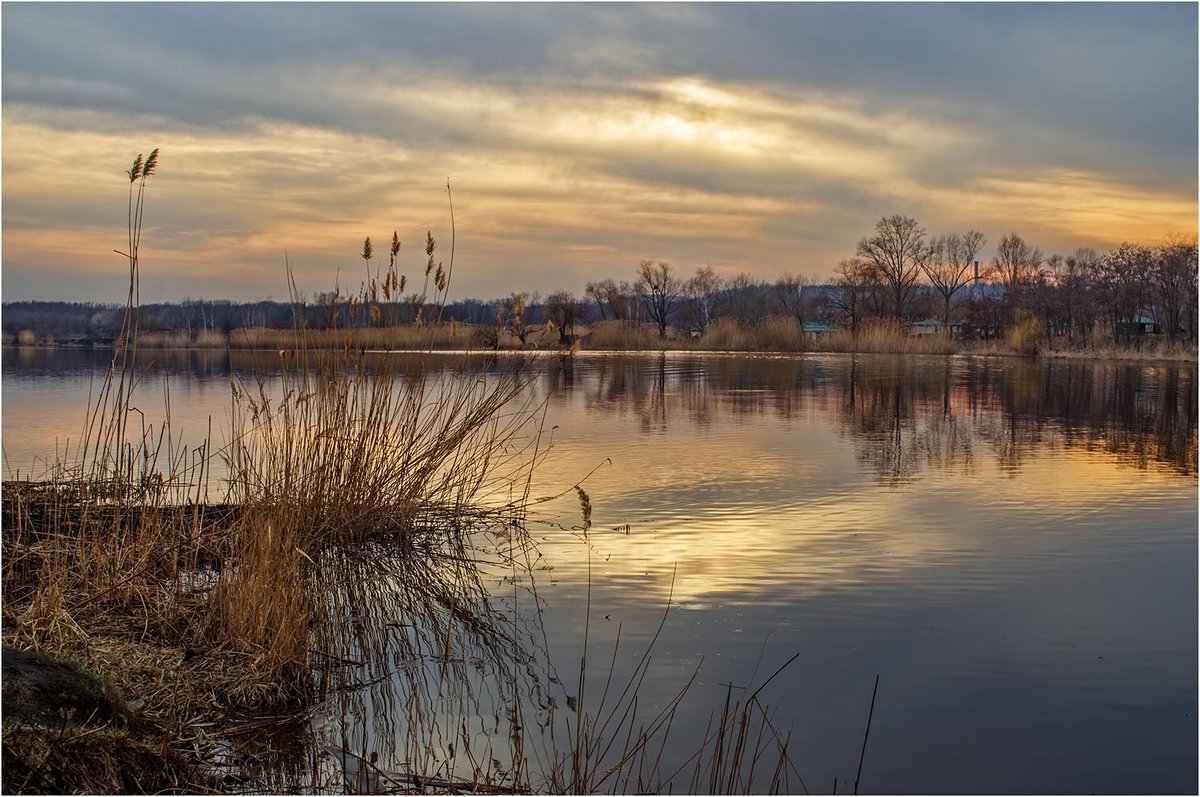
x,y
1009,545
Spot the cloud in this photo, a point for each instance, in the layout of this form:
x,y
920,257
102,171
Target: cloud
x,y
580,139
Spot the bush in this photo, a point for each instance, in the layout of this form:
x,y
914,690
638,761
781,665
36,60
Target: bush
x,y
726,334
779,333
621,335
1026,334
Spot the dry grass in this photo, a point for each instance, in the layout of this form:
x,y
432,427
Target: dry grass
x,y
179,339
351,455
781,333
726,334
626,336
92,761
885,337
1149,350
396,338
118,558
775,333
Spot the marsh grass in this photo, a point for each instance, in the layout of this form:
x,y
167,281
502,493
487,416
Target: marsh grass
x,y
339,569
119,556
443,335
622,335
180,339
885,336
1149,349
775,333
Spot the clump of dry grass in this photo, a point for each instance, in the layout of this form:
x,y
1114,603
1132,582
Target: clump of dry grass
x,y
1148,349
351,455
445,335
780,333
726,334
885,336
180,339
623,335
119,558
774,333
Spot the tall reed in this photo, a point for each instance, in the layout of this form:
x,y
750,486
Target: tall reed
x,y
126,556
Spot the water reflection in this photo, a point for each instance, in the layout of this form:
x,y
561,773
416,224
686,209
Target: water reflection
x,y
1011,544
908,415
904,414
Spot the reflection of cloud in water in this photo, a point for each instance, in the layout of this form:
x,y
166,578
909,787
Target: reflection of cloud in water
x,y
770,479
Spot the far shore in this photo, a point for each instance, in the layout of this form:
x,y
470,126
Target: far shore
x,y
1177,352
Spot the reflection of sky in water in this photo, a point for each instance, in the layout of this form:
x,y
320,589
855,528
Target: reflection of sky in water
x,y
1010,546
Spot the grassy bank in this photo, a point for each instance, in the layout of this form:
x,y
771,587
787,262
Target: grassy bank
x,y
774,334
777,334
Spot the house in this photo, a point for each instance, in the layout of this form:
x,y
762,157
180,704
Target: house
x,y
933,326
818,328
1139,325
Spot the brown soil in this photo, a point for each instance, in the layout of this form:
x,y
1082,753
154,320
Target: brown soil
x,y
68,731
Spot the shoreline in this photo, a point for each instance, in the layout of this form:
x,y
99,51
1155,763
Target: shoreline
x,y
1097,354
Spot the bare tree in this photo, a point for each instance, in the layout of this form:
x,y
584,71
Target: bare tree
x,y
1076,287
598,293
1173,280
1016,264
659,290
563,310
854,279
1123,284
950,266
619,298
896,252
790,299
699,291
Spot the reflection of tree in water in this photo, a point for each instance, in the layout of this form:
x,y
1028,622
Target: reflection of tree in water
x,y
559,374
903,420
912,414
650,388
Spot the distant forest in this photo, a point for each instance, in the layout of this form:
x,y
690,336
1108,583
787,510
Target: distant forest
x,y
897,273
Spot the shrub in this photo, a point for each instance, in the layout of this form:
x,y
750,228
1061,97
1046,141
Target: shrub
x,y
779,333
621,335
1026,334
726,334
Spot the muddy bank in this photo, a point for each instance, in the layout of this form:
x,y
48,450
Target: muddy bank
x,y
69,731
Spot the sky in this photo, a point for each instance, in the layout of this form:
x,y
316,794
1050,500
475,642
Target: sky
x,y
578,139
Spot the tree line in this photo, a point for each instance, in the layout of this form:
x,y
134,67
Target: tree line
x,y
897,272
901,272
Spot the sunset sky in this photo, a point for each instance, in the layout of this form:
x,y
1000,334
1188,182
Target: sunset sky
x,y
578,139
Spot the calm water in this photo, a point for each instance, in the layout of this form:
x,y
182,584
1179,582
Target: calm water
x,y
1010,546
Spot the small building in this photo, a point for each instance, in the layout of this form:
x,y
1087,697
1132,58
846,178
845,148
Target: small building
x,y
818,328
1139,325
933,326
